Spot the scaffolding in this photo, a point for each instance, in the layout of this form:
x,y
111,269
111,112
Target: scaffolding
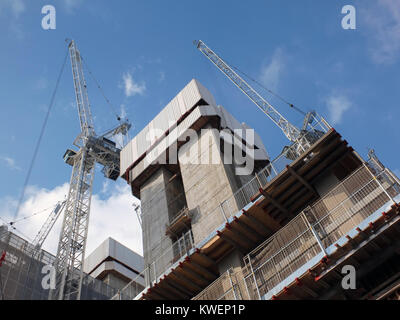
x,y
317,232
21,272
313,234
320,229
229,286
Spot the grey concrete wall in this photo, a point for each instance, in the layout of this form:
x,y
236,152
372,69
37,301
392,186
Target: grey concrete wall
x,y
154,216
206,185
115,281
161,197
325,183
233,260
175,196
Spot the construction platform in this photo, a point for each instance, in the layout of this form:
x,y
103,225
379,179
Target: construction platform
x,y
275,232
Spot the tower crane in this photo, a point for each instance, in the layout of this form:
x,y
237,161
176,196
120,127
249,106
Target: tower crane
x,y
44,231
48,225
302,138
92,150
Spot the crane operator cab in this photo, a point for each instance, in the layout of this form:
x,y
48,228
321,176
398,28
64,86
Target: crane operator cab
x,y
69,156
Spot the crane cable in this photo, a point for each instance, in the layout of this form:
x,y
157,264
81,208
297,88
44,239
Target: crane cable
x,y
17,230
113,108
51,104
268,90
36,150
32,215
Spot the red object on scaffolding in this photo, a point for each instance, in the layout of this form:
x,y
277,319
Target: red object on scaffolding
x,y
2,258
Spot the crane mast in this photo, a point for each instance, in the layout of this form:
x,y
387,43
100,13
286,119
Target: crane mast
x,y
72,242
92,150
301,138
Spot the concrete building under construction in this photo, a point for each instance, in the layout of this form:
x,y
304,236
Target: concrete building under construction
x,y
281,229
220,218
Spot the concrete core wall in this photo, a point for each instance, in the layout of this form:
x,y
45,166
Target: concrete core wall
x,y
115,281
154,215
176,196
203,179
233,260
162,197
207,180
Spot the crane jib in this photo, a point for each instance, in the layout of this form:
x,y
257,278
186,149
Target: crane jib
x,y
290,131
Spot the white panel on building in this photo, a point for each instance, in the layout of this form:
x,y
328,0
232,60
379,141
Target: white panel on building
x,y
168,117
181,103
126,156
135,154
205,94
176,109
142,143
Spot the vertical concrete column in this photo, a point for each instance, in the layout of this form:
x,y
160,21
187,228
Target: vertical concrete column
x,y
160,197
207,181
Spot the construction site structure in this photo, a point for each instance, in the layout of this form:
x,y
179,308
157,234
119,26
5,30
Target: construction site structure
x,y
92,150
282,231
25,276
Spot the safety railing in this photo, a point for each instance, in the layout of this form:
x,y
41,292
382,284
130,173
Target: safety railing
x,y
243,196
169,257
231,205
157,268
315,229
229,286
183,212
131,290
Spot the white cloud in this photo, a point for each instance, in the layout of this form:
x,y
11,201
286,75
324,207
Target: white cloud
x,y
131,87
115,217
112,216
106,186
16,7
383,26
337,106
271,73
10,162
37,199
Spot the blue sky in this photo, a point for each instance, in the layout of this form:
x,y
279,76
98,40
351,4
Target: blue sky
x,y
142,54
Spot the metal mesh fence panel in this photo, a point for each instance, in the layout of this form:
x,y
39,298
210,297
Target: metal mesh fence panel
x,y
22,276
340,210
